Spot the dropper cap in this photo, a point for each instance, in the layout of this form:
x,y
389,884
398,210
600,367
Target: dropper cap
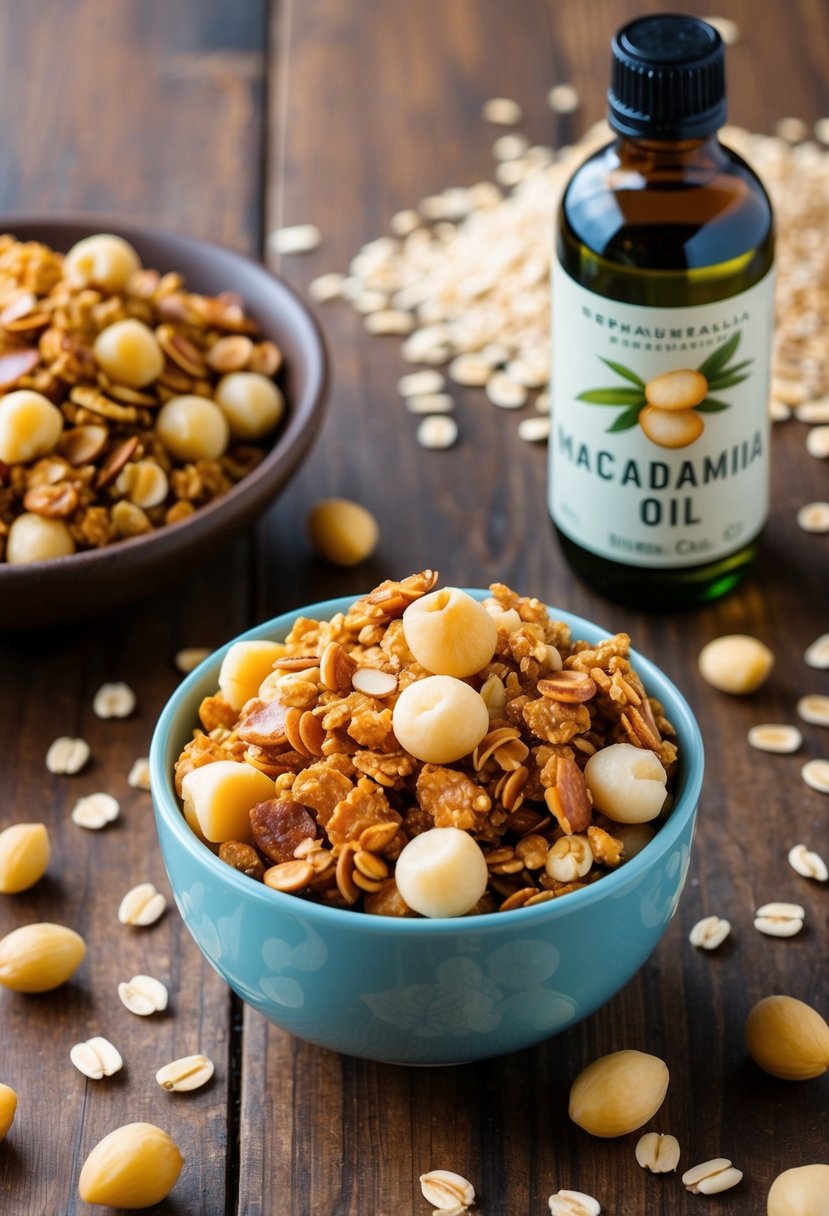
x,y
667,78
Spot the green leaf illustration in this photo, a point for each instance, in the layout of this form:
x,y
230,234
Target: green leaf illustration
x,y
717,360
613,396
625,372
711,406
733,367
727,381
625,421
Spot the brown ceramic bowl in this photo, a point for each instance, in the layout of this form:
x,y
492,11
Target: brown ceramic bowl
x,y
98,580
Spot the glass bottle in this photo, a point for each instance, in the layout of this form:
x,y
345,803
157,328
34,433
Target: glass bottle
x,y
662,318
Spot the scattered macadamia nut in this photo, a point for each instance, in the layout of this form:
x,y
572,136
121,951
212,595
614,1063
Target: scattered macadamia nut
x,y
442,872
67,755
186,1074
711,1177
33,538
735,663
114,700
24,856
439,719
709,933
251,402
39,957
342,532
143,995
244,668
30,426
788,1039
8,1107
626,783
221,796
800,1191
193,428
573,1203
135,1166
96,1058
104,261
129,353
450,633
619,1092
658,1153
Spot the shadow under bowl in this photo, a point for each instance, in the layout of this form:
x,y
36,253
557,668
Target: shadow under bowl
x,y
94,581
419,991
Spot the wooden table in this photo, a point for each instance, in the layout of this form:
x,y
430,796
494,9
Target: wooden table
x,y
227,120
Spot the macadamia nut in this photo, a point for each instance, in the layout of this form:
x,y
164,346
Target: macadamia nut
x,y
801,1191
440,719
33,538
24,856
251,402
129,353
30,426
343,532
136,1166
222,795
442,872
192,428
8,1106
735,663
678,390
39,957
618,1093
626,783
103,260
450,633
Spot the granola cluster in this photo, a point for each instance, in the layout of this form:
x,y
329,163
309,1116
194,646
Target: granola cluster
x,y
107,473
348,797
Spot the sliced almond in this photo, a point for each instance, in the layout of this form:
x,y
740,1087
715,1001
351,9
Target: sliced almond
x,y
775,737
186,1074
83,444
373,681
572,687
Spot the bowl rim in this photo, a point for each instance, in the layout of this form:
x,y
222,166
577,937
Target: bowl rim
x,y
297,434
167,808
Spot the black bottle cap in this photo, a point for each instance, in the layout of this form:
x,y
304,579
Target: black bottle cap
x,y
667,78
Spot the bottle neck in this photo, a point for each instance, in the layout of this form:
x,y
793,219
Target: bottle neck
x,y
643,154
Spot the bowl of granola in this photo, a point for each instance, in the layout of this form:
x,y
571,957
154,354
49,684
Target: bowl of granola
x,y
156,393
430,825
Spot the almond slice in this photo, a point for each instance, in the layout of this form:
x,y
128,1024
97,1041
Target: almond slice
x,y
573,687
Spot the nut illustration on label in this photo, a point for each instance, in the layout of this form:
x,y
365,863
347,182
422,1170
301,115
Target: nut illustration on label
x,y
669,407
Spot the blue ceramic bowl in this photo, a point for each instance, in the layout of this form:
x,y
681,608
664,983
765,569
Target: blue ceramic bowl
x,y
423,991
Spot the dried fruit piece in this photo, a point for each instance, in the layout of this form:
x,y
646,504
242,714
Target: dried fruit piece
x,y
143,995
219,796
95,811
788,1039
143,905
39,957
279,825
24,856
618,1093
114,701
135,1166
242,857
96,1058
709,933
711,1177
186,1074
658,1153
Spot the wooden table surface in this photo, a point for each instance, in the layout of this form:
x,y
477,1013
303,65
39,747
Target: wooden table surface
x,y
227,120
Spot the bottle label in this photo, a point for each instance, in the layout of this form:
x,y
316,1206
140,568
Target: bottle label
x,y
659,448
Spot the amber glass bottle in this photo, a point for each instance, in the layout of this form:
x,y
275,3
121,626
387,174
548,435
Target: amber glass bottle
x,y
662,318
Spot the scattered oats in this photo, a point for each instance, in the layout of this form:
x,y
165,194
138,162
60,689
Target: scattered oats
x,y
296,238
430,403
708,934
529,373
95,811
67,755
779,919
541,155
510,147
373,681
573,1203
817,442
437,431
484,194
814,517
143,995
658,1153
775,737
142,906
427,345
816,775
470,370
327,287
727,29
404,222
813,412
139,774
96,1058
534,430
390,321
790,392
778,410
511,173
186,1074
821,129
814,708
563,98
711,1177
419,384
543,403
817,655
793,130
505,393
808,864
371,301
502,112
446,1190
188,659
494,353
114,701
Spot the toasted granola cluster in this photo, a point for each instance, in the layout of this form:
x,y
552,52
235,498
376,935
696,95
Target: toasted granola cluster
x,y
126,401
347,798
